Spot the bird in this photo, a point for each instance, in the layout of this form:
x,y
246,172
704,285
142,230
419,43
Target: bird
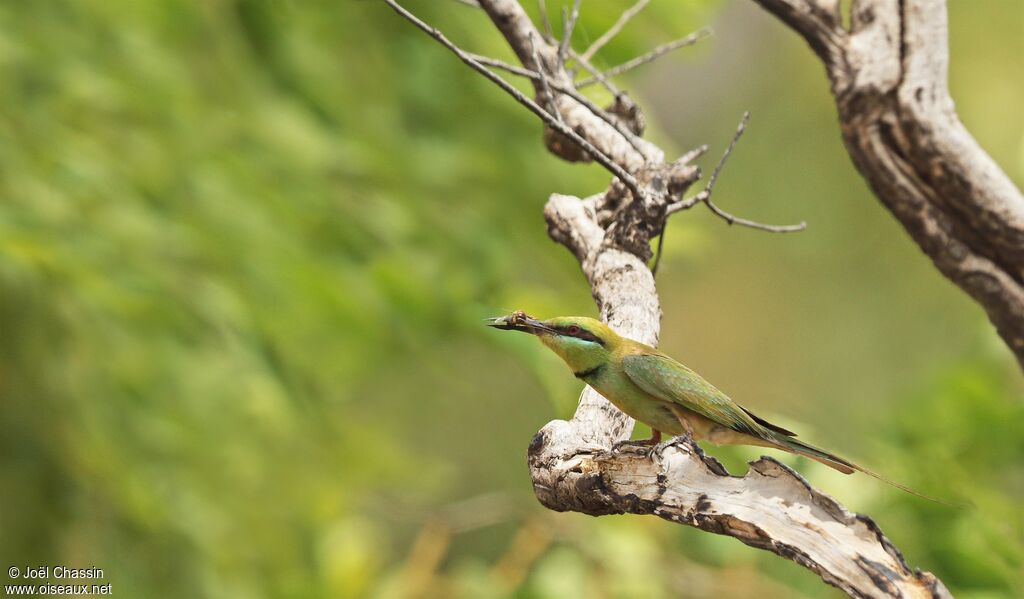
x,y
655,389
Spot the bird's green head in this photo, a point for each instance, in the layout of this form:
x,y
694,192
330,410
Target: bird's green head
x,y
581,342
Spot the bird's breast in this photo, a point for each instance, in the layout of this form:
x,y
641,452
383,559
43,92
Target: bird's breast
x,y
616,386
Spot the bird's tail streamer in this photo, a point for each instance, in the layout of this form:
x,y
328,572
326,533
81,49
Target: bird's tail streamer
x,y
847,467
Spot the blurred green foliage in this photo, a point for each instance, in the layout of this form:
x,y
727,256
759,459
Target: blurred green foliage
x,y
245,247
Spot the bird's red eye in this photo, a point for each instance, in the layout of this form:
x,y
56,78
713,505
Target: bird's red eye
x,y
572,330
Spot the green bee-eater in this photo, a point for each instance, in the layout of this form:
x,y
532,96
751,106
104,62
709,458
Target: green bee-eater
x,y
660,392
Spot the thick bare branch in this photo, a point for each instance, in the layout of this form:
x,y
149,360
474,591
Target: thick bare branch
x,y
770,508
889,78
818,23
609,233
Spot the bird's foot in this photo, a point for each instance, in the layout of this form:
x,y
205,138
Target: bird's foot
x,y
683,439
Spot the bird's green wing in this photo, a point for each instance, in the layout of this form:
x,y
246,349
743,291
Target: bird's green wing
x,y
668,380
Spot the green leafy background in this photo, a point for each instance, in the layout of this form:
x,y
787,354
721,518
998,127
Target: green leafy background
x,y
245,246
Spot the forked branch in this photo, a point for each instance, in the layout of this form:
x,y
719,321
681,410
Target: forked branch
x,y
614,30
705,195
549,119
647,57
571,464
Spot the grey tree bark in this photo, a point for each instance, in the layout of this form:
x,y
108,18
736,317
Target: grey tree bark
x,y
888,74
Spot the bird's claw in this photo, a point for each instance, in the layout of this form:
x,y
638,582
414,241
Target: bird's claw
x,y
652,447
683,439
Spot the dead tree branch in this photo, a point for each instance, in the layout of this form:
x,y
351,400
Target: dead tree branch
x,y
888,74
705,195
571,463
614,30
568,24
770,508
651,56
553,121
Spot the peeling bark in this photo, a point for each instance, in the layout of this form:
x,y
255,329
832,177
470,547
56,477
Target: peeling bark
x,y
770,508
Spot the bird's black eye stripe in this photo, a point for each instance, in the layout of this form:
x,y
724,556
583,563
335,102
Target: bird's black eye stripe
x,y
580,333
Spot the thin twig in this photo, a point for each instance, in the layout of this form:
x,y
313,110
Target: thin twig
x,y
595,73
511,68
693,154
599,112
614,30
657,254
470,3
736,220
705,195
549,33
568,24
740,129
652,55
544,85
682,205
598,156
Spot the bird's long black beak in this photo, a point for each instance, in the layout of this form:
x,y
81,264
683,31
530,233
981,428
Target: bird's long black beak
x,y
517,321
